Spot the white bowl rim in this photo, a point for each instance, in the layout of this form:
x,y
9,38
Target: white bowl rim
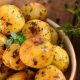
x,y
71,49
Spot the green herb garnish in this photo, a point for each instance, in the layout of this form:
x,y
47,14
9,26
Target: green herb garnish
x,y
18,38
68,28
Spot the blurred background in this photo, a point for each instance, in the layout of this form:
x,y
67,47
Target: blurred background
x,y
60,15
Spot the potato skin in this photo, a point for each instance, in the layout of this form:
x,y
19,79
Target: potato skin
x,y
34,11
35,28
19,76
11,19
3,39
11,57
49,73
54,36
60,58
36,53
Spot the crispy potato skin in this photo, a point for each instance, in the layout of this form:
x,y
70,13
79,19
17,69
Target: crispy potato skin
x,y
11,57
49,73
3,39
11,19
19,76
36,53
60,58
35,28
34,11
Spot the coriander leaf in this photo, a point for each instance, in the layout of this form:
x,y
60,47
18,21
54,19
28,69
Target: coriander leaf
x,y
14,35
9,42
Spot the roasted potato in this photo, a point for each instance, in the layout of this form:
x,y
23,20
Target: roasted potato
x,y
49,73
1,54
3,39
11,19
60,58
36,53
4,72
34,11
11,57
19,76
37,28
54,36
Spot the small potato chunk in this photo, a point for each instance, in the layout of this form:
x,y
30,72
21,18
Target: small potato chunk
x,y
11,19
19,76
54,36
60,58
3,39
3,72
34,11
49,73
36,53
37,28
11,57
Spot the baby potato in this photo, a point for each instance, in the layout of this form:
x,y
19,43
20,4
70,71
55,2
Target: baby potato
x,y
11,57
19,76
11,19
60,58
37,28
34,11
3,39
36,53
54,36
3,72
49,73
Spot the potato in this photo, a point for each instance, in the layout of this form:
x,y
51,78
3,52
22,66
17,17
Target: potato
x,y
54,36
3,72
3,39
36,53
11,57
49,73
34,11
60,58
1,54
11,19
19,76
37,28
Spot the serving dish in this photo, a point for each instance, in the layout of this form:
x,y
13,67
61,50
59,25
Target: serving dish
x,y
71,73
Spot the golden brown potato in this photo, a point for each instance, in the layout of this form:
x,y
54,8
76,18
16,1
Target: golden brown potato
x,y
3,39
54,36
36,53
19,76
11,19
11,57
4,72
37,28
34,11
49,73
1,54
60,58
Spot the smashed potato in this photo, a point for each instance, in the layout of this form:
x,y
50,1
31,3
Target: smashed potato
x,y
34,11
11,19
36,53
11,57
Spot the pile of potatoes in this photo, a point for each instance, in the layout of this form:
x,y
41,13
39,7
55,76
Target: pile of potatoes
x,y
39,57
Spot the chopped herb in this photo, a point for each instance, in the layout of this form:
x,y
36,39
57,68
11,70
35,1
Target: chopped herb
x,y
18,38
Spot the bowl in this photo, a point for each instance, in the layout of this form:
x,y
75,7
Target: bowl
x,y
71,72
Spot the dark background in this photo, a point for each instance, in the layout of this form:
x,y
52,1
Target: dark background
x,y
60,15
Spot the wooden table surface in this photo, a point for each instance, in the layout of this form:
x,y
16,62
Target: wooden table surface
x,y
57,13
